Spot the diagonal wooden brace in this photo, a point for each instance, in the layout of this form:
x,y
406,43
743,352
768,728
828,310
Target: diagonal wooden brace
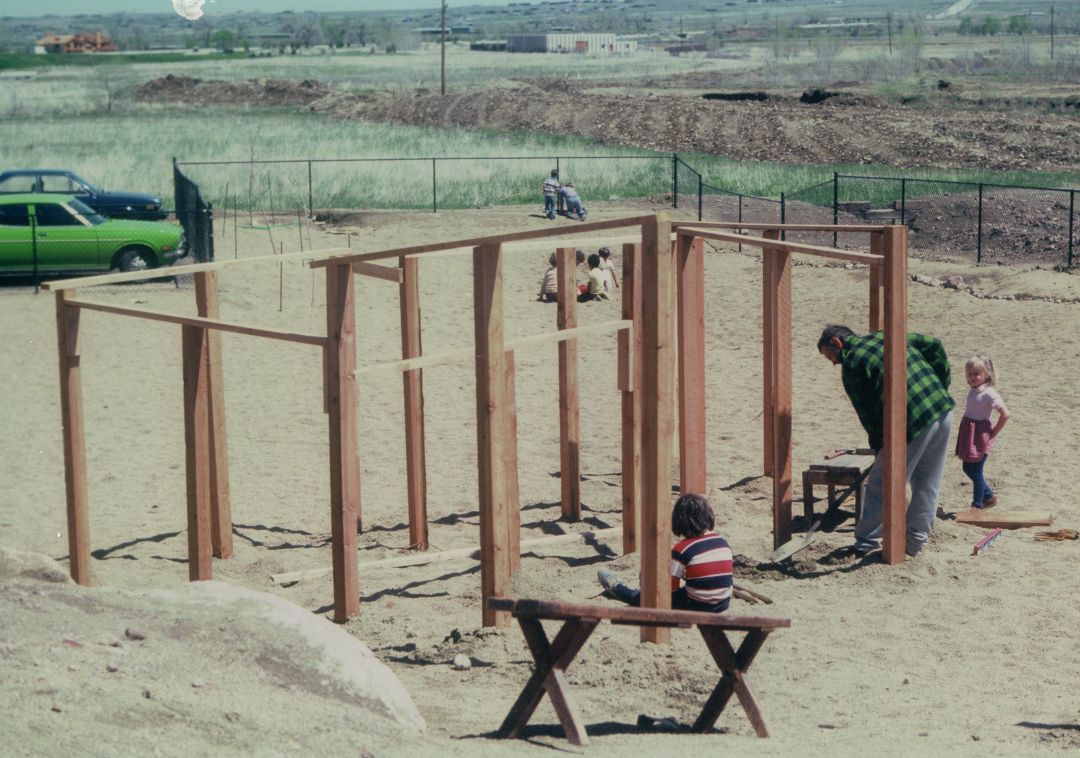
x,y
733,666
552,660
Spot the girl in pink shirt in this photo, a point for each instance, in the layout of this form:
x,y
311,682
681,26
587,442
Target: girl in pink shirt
x,y
977,434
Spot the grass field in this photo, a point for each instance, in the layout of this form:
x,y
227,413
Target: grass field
x,y
357,164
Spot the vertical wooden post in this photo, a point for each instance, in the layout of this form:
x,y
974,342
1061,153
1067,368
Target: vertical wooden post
x,y
895,428
413,385
196,360
510,459
691,288
780,320
768,351
658,417
71,420
569,393
876,271
491,426
208,305
630,384
340,381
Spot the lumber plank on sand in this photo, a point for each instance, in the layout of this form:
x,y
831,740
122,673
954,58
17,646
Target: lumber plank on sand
x,y
1005,519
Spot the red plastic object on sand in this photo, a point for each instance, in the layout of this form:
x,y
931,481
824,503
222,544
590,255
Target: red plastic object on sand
x,y
984,544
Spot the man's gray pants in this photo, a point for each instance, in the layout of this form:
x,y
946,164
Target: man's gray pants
x,y
926,456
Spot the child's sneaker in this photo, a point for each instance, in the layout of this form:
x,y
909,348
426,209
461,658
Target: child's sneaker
x,y
608,581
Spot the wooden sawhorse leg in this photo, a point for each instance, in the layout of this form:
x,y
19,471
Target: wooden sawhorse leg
x,y
733,666
552,660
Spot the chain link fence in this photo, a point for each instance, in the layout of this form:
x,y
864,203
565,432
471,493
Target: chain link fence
x,y
264,190
948,220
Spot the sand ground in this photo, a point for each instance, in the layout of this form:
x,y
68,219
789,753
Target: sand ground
x,y
947,652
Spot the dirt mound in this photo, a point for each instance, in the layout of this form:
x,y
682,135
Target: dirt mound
x,y
841,129
252,92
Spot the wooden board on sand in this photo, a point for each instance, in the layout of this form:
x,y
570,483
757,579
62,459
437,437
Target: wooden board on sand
x,y
1005,519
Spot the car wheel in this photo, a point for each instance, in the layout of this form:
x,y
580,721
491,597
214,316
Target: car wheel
x,y
135,260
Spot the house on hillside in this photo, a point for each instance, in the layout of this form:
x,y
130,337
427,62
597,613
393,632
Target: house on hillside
x,y
82,42
568,42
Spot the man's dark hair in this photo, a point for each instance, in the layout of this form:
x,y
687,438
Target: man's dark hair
x,y
579,256
692,516
833,330
594,261
554,173
603,252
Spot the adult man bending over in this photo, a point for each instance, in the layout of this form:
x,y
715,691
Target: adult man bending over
x,y
929,420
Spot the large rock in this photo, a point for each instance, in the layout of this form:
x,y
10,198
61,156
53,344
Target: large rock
x,y
195,669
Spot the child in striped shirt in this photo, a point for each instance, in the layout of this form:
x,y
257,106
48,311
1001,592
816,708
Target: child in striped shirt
x,y
701,577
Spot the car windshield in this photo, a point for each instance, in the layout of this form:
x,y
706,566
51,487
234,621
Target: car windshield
x,y
86,211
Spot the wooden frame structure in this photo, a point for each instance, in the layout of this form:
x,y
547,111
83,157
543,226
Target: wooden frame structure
x,y
662,315
887,260
644,355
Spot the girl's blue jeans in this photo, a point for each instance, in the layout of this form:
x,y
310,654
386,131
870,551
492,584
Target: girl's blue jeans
x,y
981,492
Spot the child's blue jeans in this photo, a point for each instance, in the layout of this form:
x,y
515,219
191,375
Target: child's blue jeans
x,y
549,206
981,492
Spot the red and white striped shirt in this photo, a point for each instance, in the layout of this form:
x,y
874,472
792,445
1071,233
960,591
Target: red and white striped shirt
x,y
704,563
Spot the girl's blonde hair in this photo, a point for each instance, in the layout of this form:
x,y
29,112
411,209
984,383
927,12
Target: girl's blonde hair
x,y
987,365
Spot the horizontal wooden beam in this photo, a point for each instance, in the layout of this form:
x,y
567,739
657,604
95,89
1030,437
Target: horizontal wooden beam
x,y
194,268
375,271
562,335
791,247
424,558
424,361
209,323
621,614
779,227
547,244
450,356
494,239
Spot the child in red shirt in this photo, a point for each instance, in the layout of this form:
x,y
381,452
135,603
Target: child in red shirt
x,y
701,577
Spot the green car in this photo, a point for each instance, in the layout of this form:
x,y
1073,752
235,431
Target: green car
x,y
65,235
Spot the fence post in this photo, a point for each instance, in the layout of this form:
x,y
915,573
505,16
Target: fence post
x,y
33,251
434,191
699,193
1072,215
783,214
310,193
978,242
903,200
674,180
835,203
559,203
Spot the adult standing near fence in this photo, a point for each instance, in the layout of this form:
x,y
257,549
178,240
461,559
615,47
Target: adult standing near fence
x,y
551,189
929,420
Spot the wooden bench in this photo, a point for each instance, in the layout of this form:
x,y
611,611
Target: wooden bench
x,y
580,619
847,470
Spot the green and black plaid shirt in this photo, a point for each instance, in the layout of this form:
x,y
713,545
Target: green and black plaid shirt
x,y
863,372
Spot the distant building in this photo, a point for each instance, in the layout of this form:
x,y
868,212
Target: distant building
x,y
568,42
431,31
489,45
83,42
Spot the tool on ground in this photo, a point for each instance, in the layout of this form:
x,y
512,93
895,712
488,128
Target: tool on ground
x,y
1059,536
750,596
793,546
984,544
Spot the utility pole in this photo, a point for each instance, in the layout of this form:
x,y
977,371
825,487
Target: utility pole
x,y
442,87
1051,33
888,19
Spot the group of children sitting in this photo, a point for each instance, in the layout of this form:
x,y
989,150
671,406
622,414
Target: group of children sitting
x,y
601,278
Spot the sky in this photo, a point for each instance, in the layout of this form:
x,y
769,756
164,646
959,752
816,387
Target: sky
x,y
218,7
